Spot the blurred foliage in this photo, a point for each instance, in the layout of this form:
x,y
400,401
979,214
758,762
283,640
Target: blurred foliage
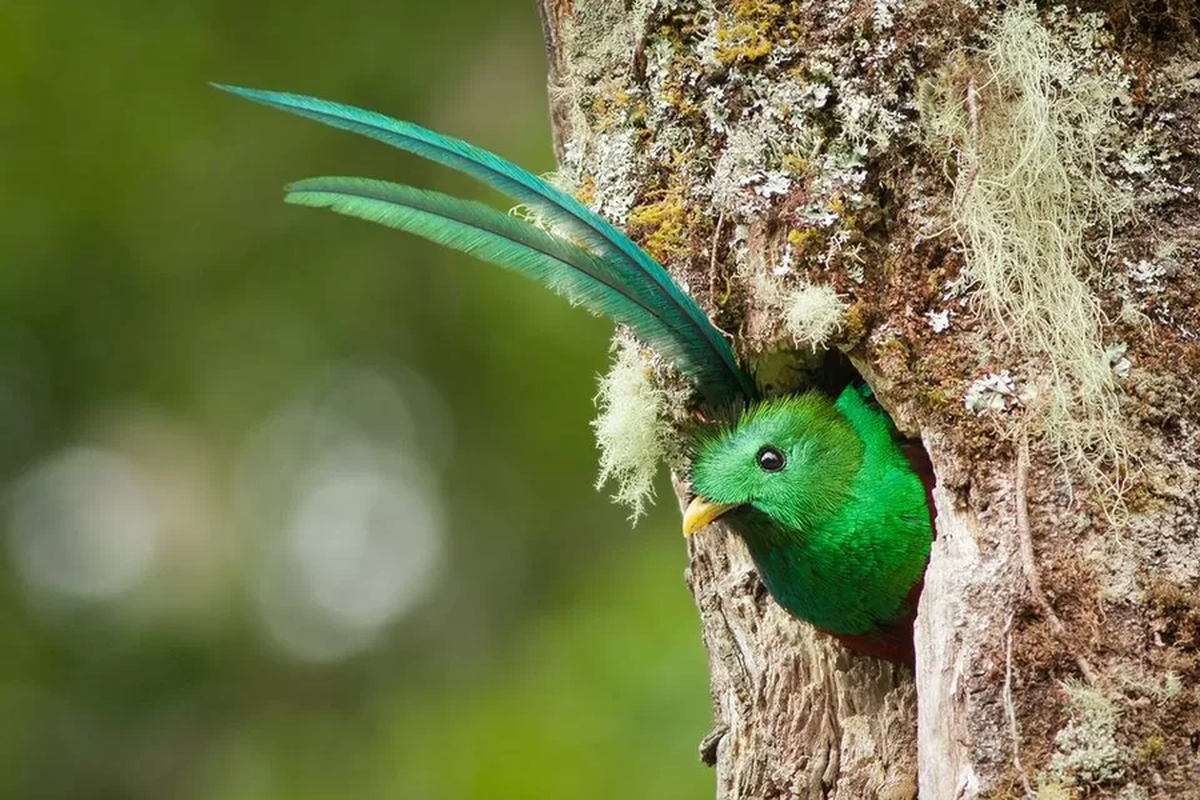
x,y
181,355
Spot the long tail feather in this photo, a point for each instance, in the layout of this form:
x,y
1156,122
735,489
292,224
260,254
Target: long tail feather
x,y
480,230
717,370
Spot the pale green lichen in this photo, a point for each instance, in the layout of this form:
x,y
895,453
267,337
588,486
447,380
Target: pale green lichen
x,y
1133,791
809,314
1161,691
993,393
1086,750
1022,128
632,425
1054,791
740,169
812,315
614,163
740,107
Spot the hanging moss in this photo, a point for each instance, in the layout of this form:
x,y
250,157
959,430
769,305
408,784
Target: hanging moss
x,y
1021,128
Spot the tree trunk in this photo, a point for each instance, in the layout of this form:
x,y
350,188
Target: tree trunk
x,y
1002,200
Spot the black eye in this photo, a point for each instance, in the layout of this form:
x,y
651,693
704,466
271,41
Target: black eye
x,y
771,459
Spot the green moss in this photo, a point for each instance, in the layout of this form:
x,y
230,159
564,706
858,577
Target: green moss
x,y
854,323
806,242
586,193
794,165
673,84
664,225
1149,750
613,105
752,28
939,398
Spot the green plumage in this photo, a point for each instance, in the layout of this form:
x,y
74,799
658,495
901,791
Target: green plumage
x,y
841,533
836,519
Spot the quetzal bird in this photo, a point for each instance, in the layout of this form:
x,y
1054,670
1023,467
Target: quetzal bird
x,y
832,510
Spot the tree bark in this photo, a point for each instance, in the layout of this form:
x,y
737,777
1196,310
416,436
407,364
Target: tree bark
x,y
759,148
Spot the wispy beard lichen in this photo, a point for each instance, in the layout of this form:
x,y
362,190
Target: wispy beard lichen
x,y
632,425
1022,126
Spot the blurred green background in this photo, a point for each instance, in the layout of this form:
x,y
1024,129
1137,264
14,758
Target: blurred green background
x,y
293,506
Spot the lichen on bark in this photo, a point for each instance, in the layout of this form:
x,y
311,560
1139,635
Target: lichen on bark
x,y
765,149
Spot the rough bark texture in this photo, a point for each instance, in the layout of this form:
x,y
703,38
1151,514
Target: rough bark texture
x,y
760,148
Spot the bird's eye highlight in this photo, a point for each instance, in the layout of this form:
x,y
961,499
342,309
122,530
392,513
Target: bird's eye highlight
x,y
771,459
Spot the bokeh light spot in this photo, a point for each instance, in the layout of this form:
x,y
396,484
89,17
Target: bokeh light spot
x,y
339,490
82,525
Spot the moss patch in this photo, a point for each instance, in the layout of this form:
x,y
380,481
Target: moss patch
x,y
753,27
664,224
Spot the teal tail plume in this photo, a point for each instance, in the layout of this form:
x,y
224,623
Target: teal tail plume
x,y
610,275
480,230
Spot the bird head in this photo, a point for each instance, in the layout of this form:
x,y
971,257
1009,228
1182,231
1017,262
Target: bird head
x,y
789,459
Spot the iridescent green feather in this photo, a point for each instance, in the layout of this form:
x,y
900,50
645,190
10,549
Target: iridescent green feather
x,y
482,231
699,350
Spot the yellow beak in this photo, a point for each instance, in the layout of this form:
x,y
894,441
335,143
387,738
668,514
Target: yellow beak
x,y
700,512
